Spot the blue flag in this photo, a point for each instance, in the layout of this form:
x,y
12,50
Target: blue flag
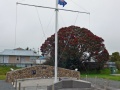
x,y
62,2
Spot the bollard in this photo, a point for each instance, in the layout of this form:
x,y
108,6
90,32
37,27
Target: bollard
x,y
108,83
16,84
86,77
53,87
105,85
95,83
13,83
95,80
19,86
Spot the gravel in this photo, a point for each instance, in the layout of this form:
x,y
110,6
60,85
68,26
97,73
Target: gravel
x,y
100,84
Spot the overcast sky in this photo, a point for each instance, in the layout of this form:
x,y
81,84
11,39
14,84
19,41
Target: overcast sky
x,y
34,25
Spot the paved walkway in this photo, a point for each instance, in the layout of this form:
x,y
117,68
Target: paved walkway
x,y
6,86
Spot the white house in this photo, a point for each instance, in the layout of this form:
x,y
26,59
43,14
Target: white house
x,y
18,55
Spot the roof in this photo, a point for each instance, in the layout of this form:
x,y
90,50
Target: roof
x,y
42,58
18,52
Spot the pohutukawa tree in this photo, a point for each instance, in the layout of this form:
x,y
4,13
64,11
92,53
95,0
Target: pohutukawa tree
x,y
75,46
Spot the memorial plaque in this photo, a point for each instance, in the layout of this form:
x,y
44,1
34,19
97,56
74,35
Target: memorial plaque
x,y
33,72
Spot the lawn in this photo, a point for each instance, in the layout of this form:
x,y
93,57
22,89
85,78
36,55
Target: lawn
x,y
104,76
2,77
4,70
104,73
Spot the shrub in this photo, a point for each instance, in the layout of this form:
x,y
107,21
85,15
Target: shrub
x,y
118,65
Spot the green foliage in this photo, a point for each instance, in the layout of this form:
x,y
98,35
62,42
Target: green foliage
x,y
105,71
118,65
104,76
118,71
102,71
115,56
2,77
5,69
73,44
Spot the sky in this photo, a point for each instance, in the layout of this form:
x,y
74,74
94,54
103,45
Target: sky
x,y
25,26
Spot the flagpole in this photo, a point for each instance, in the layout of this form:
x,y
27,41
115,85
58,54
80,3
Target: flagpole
x,y
56,40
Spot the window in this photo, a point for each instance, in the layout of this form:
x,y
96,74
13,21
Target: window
x,y
17,58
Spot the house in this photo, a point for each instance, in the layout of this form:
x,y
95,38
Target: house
x,y
18,56
41,60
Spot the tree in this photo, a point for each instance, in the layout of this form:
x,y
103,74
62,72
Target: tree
x,y
75,46
115,57
31,50
27,48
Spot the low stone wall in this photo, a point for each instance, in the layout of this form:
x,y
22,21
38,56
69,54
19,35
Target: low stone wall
x,y
44,71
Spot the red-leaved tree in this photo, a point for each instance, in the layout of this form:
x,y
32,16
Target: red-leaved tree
x,y
75,46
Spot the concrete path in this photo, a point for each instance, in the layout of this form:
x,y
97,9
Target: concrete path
x,y
6,86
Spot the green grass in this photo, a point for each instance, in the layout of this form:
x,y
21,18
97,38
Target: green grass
x,y
4,70
110,77
104,73
2,77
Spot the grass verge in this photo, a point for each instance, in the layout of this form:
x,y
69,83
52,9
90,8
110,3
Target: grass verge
x,y
109,77
2,77
4,70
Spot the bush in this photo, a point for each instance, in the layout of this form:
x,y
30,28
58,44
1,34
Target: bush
x,y
105,71
5,69
118,65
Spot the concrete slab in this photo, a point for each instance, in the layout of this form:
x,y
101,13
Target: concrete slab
x,y
71,84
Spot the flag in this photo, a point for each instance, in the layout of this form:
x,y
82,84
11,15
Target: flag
x,y
62,2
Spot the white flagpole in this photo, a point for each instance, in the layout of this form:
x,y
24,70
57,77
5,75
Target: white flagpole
x,y
56,40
